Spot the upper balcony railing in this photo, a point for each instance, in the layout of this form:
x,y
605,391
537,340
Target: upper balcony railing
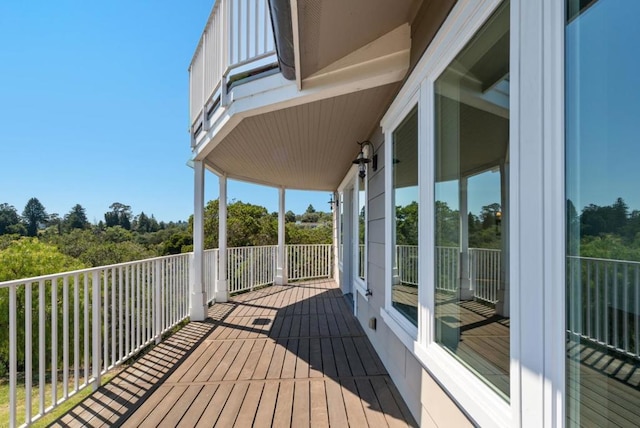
x,y
238,38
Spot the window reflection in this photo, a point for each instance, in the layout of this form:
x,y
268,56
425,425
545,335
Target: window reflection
x,y
404,295
470,207
361,228
603,213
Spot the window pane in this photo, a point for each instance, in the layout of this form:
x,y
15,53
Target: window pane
x,y
404,294
603,213
471,174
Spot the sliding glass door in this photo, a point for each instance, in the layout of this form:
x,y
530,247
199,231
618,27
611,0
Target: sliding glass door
x,y
602,213
471,204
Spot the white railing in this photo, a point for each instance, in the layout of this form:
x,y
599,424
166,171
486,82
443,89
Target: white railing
x,y
361,261
605,300
447,268
237,38
250,267
407,264
210,273
485,272
66,330
484,269
309,261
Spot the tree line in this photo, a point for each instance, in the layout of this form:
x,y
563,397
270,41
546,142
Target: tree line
x,y
608,232
122,236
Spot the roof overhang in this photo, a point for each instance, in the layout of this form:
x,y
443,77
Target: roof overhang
x,y
275,134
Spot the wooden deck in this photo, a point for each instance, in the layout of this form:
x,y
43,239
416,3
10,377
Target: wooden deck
x,y
282,356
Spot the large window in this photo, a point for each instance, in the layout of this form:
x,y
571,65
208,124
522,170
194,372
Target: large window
x,y
603,213
404,291
470,207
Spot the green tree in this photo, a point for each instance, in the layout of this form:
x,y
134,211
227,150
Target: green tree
x,y
120,215
177,243
407,224
10,222
76,218
290,217
447,225
310,215
34,216
247,225
142,223
26,258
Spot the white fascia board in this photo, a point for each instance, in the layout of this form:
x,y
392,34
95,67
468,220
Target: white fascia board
x,y
295,27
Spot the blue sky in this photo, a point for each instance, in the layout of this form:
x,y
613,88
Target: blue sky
x,y
94,108
603,109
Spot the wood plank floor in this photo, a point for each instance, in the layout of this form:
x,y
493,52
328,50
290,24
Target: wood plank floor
x,y
281,356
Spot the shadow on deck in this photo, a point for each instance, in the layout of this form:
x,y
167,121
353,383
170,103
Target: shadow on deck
x,y
282,356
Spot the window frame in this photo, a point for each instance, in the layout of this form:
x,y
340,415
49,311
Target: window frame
x,y
404,329
536,135
350,223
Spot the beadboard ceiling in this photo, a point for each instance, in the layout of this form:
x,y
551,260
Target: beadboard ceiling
x,y
310,146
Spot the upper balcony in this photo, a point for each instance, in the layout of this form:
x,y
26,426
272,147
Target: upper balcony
x,y
285,108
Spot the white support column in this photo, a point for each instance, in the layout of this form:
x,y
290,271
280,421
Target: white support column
x,y
198,309
281,266
502,306
466,286
222,294
336,236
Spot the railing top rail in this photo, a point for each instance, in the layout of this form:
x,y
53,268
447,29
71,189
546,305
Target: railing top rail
x,y
596,259
251,246
51,276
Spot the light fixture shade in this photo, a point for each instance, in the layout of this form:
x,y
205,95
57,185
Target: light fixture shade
x,y
361,160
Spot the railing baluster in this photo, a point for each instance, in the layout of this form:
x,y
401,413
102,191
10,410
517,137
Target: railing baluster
x,y
87,333
590,305
54,341
636,287
615,310
97,328
13,356
27,351
42,351
625,311
121,354
597,306
65,337
76,332
158,301
105,321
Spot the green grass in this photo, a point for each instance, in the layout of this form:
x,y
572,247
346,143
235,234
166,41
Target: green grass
x,y
67,405
35,400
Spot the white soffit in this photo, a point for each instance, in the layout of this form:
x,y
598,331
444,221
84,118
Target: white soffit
x,y
329,30
309,146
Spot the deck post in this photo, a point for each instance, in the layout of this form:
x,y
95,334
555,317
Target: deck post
x,y
336,238
466,285
502,305
222,294
281,264
198,308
